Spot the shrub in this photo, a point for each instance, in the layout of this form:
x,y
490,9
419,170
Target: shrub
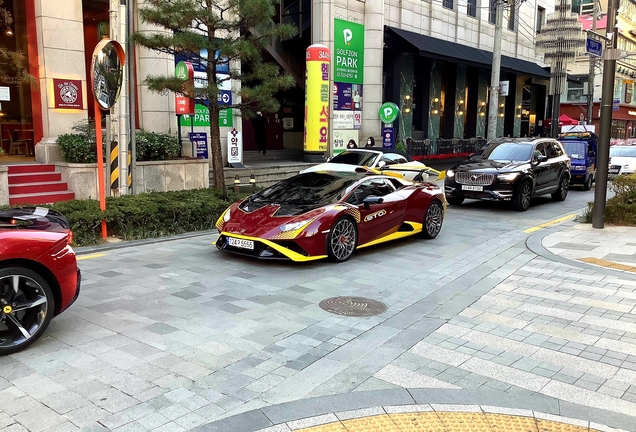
x,y
76,149
80,147
621,208
153,146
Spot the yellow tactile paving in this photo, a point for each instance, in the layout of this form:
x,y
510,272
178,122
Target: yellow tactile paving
x,y
446,422
419,421
508,423
609,264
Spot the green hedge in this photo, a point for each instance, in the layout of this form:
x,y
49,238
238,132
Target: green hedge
x,y
621,208
80,146
147,215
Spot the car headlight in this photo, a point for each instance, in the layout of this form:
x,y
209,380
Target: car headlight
x,y
508,176
580,167
628,167
226,216
294,225
450,173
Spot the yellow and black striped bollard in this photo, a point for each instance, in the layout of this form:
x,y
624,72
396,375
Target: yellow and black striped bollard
x,y
114,165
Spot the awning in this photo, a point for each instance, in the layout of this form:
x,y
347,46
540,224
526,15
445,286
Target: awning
x,y
455,52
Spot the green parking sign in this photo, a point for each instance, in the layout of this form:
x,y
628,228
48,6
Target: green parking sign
x,y
388,112
201,117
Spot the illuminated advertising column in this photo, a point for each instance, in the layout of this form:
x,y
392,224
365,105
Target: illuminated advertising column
x,y
317,103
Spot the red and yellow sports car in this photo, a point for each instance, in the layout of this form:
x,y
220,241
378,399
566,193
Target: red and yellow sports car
x,y
329,215
39,277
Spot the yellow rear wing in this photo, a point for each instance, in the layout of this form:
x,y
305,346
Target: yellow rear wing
x,y
394,171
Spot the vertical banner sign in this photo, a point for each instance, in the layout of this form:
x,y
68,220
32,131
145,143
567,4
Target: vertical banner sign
x,y
235,149
349,47
317,99
185,72
387,137
200,140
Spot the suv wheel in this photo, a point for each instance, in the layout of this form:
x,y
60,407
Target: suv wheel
x,y
588,183
456,201
562,191
521,200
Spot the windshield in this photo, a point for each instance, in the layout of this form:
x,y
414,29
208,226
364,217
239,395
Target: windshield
x,y
575,149
359,158
623,151
509,152
311,188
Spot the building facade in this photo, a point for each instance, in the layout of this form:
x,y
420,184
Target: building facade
x,y
432,58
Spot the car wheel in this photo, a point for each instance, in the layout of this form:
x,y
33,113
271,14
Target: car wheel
x,y
562,191
456,201
433,219
26,308
342,240
588,183
521,201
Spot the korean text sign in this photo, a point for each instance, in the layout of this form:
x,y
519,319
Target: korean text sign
x,y
349,51
317,94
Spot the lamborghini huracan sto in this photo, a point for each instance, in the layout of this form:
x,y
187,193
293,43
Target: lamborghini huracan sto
x,y
329,215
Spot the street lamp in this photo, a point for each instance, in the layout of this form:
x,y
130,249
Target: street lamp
x,y
561,40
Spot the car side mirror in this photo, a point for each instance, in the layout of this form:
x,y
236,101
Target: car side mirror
x,y
470,156
328,159
381,164
541,158
591,154
372,200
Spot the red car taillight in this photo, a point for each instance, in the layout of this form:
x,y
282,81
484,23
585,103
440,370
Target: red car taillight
x,y
69,238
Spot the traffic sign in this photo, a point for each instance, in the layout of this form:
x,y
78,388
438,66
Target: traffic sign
x,y
615,105
594,47
388,112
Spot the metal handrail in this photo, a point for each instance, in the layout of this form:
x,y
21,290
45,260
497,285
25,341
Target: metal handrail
x,y
446,147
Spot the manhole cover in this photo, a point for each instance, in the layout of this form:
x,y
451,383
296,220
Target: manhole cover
x,y
352,306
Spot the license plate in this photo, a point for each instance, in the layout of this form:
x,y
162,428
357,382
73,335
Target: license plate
x,y
472,188
240,243
614,170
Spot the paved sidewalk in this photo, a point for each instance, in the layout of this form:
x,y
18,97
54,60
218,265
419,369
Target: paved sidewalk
x,y
605,247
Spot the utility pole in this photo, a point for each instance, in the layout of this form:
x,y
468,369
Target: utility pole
x,y
591,76
493,99
132,91
602,162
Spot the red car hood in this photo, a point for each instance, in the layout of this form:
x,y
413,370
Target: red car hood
x,y
263,222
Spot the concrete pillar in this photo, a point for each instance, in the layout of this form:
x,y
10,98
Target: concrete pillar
x,y
156,111
60,34
373,62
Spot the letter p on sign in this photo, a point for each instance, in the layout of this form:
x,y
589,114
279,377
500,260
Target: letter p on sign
x,y
348,35
387,112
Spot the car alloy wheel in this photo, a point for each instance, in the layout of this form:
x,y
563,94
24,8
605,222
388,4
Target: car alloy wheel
x,y
433,220
26,307
524,196
562,192
342,240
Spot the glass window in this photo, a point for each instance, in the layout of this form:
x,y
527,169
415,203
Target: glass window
x,y
311,188
550,150
539,150
360,158
620,151
447,4
512,17
575,149
393,158
471,8
372,187
577,88
509,152
540,18
492,12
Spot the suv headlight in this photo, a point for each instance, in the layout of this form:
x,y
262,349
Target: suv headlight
x,y
450,173
294,225
508,176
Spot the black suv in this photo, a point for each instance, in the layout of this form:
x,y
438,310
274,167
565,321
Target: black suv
x,y
511,169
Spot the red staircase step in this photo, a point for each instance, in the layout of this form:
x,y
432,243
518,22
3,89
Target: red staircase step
x,y
34,188
40,198
16,179
31,168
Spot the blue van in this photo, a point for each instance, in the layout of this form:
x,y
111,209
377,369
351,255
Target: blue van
x,y
581,148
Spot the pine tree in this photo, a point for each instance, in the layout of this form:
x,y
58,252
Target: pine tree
x,y
13,68
238,31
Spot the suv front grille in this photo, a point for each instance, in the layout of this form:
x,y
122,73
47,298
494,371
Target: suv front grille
x,y
478,179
